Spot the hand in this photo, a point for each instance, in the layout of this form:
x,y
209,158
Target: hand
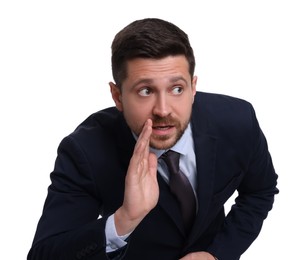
x,y
198,256
141,186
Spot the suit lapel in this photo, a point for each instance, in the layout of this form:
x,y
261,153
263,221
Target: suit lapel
x,y
205,143
205,149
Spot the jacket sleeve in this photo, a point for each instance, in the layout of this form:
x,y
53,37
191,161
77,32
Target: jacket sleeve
x,y
70,227
255,199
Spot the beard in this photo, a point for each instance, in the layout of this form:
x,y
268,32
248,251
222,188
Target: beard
x,y
163,142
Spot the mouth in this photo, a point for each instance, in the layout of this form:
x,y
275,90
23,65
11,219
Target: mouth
x,y
162,127
160,130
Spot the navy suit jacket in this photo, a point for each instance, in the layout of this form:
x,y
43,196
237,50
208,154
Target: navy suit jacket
x,y
88,181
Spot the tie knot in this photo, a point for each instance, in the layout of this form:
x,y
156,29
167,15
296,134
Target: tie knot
x,y
172,159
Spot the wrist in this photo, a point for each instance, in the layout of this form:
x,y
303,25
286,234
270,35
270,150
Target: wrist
x,y
123,223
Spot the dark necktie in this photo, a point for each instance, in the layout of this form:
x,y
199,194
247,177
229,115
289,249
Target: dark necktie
x,y
181,188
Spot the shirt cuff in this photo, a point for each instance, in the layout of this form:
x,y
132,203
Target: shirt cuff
x,y
113,241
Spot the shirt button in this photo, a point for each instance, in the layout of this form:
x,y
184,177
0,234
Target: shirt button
x,y
113,246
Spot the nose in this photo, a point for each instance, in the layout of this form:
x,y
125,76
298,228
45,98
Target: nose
x,y
161,107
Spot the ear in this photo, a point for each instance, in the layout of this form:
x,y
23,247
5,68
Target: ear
x,y
194,85
116,95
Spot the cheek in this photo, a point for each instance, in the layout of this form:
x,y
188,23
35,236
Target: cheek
x,y
137,107
134,109
136,114
184,109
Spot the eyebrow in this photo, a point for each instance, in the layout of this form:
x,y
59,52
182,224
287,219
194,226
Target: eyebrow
x,y
178,78
142,81
150,81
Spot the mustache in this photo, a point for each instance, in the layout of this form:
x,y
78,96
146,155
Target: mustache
x,y
168,120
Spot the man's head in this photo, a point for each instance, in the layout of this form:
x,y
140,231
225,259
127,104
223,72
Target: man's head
x,y
153,66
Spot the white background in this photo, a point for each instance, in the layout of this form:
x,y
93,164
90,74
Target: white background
x,y
55,69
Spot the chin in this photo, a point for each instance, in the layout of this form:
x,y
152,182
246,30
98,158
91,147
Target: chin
x,y
163,143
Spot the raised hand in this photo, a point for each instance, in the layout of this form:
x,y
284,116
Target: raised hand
x,y
141,186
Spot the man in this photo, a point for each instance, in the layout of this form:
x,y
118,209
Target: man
x,y
117,164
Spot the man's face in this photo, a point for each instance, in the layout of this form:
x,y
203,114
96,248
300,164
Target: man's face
x,y
160,89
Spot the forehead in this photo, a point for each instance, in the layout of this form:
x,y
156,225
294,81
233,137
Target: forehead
x,y
155,68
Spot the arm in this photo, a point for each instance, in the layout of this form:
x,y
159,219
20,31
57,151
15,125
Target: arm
x,y
69,227
255,199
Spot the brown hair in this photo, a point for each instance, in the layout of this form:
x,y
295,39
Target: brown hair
x,y
148,38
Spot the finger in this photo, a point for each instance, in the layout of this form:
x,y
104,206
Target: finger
x,y
152,160
146,132
145,145
147,136
144,138
141,149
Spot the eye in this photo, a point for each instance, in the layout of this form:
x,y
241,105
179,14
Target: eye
x,y
145,92
177,90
